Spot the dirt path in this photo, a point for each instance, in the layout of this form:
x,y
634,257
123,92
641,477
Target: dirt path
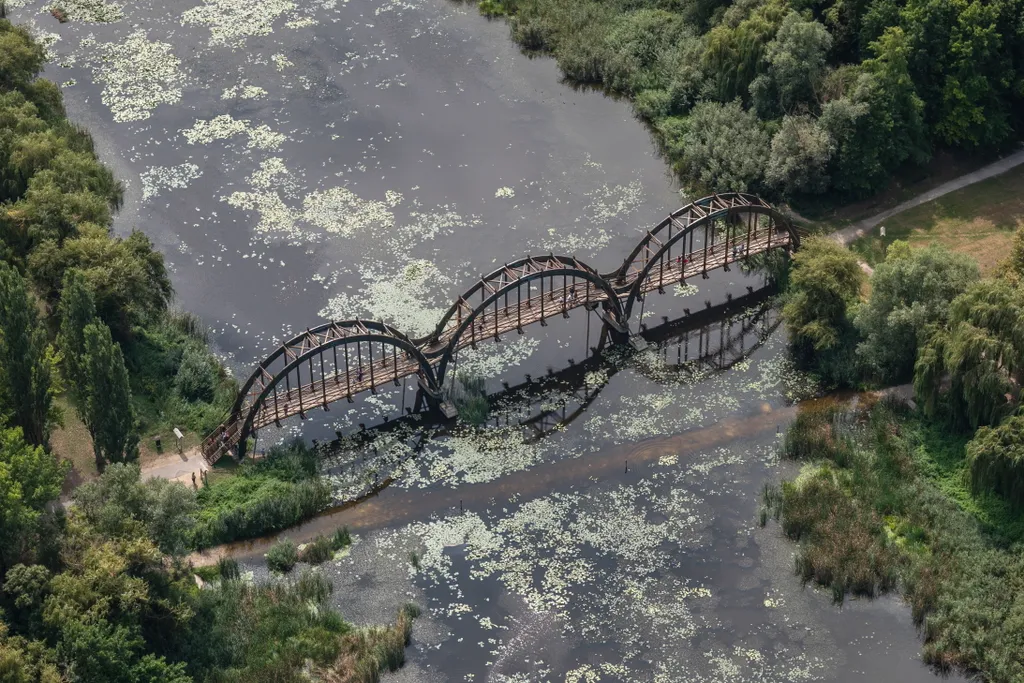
x,y
176,466
849,234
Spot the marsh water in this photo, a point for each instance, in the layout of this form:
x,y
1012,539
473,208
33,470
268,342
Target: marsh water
x,y
319,159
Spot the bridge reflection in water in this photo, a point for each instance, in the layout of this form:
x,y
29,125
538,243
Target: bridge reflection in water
x,y
364,461
339,360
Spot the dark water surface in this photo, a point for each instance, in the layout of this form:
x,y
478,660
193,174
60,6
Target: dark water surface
x,y
313,159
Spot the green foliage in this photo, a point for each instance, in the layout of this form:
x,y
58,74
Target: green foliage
x,y
981,348
911,294
470,398
844,542
819,432
824,282
282,556
27,362
106,407
153,357
264,496
127,277
76,310
196,375
273,631
30,478
995,457
21,58
799,158
720,148
120,504
795,60
322,548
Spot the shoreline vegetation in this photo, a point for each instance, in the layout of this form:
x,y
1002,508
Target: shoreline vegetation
x,y
816,102
99,591
925,498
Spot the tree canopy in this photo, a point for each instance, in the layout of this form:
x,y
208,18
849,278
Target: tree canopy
x,y
911,292
981,348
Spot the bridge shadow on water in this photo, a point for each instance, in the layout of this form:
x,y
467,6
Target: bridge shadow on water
x,y
695,346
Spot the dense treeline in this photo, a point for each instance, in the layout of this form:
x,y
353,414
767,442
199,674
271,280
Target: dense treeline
x,y
794,98
83,310
100,593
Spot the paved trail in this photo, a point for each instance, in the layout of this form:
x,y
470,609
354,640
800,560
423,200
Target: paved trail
x,y
849,234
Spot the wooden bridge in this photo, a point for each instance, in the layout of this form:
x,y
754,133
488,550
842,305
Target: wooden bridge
x,y
338,360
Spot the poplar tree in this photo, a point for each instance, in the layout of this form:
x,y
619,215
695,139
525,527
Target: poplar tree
x,y
26,361
107,398
76,309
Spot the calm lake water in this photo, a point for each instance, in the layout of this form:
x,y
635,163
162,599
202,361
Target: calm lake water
x,y
345,158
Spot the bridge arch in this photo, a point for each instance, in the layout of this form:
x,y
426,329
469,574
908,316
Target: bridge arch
x,y
261,401
498,311
651,263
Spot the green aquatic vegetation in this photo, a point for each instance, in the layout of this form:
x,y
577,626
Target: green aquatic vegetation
x,y
899,512
282,557
470,397
323,548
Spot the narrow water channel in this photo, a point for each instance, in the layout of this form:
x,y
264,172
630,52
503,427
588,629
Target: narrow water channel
x,y
333,159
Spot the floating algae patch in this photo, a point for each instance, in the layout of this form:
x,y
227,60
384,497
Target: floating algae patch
x,y
138,75
231,21
244,92
613,201
226,126
342,212
472,456
158,178
404,299
92,11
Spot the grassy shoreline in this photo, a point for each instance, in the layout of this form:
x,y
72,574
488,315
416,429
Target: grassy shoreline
x,y
882,504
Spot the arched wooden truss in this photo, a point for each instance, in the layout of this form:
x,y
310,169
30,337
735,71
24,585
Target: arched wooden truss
x,y
342,359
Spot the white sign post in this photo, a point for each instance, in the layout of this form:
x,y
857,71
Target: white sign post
x,y
881,231
178,436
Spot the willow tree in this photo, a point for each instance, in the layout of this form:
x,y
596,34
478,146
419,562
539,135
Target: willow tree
x,y
981,349
824,282
910,295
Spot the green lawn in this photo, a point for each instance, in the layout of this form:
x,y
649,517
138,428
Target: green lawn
x,y
978,220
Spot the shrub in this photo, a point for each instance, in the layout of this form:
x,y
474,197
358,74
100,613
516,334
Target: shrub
x,y
196,376
250,506
322,548
282,557
227,569
470,398
369,651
